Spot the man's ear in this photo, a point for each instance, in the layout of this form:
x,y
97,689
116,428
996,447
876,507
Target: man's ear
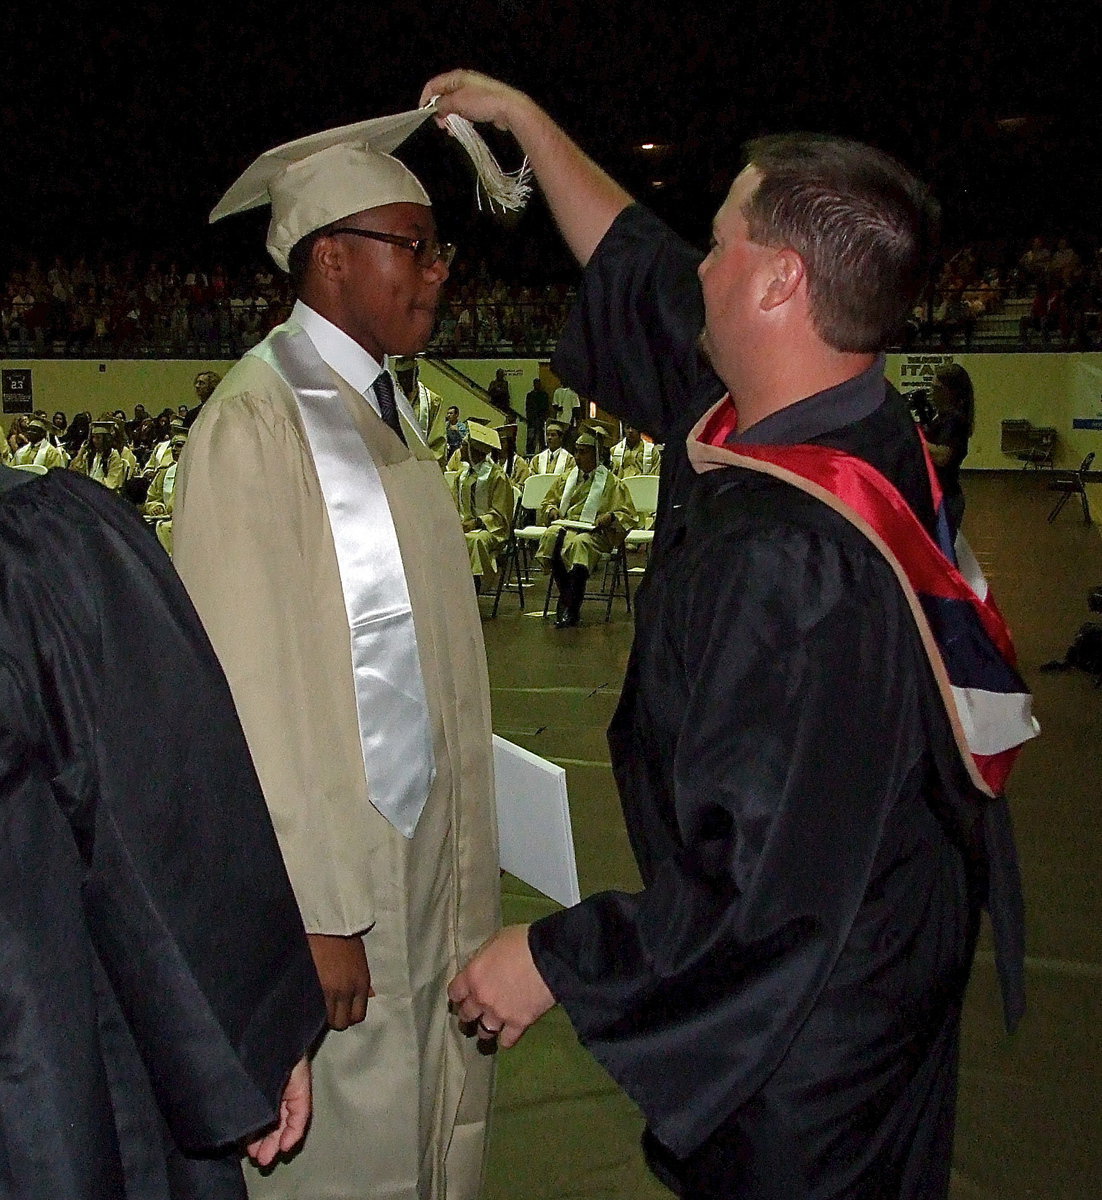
x,y
786,275
327,257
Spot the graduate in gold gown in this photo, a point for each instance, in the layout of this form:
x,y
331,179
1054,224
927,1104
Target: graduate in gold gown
x,y
486,500
321,546
591,495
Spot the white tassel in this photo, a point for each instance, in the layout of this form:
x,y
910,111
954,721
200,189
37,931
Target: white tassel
x,y
508,189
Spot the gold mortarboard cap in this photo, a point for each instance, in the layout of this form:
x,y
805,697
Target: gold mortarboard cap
x,y
593,436
483,434
319,179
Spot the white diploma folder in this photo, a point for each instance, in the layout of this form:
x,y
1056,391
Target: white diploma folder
x,y
533,822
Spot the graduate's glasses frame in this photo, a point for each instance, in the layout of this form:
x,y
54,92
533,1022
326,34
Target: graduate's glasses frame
x,y
427,251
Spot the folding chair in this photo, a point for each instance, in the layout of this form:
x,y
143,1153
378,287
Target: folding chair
x,y
643,490
535,492
614,567
1073,483
508,562
1038,454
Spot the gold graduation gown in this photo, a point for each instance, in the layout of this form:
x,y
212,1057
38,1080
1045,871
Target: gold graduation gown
x,y
489,501
113,476
44,453
551,462
581,549
644,459
401,1100
159,503
518,471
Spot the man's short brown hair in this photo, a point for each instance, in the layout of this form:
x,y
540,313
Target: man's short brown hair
x,y
863,224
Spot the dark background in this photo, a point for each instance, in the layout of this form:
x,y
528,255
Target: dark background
x,y
121,126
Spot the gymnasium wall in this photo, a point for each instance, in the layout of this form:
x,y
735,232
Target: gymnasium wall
x,y
1059,390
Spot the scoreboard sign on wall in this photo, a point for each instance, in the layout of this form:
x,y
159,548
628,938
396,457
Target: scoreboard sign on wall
x,y
17,390
918,370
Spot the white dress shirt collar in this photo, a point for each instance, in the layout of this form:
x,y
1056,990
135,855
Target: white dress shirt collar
x,y
347,357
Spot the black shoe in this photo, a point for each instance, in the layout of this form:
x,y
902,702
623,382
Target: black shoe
x,y
567,620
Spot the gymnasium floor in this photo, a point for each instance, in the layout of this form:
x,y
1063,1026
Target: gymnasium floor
x,y
1030,1116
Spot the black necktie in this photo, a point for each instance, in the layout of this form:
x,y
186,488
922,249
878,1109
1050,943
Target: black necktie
x,y
384,390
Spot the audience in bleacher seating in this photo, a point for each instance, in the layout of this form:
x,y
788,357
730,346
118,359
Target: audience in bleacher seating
x,y
126,308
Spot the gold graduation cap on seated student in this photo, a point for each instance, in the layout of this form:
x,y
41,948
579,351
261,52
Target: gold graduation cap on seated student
x,y
318,179
593,435
483,434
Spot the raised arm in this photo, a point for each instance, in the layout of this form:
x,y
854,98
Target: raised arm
x,y
583,199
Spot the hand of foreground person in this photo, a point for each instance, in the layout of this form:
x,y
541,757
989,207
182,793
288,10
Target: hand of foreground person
x,y
474,96
294,1113
341,964
500,989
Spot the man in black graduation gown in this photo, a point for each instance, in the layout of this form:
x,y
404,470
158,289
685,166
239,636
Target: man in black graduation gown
x,y
157,994
782,999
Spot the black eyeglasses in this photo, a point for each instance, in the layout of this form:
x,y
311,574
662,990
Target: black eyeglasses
x,y
427,251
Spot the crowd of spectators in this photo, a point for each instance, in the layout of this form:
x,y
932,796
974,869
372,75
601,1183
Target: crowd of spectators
x,y
132,309
1049,292
78,309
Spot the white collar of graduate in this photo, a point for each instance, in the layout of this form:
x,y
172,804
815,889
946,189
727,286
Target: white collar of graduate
x,y
391,704
346,356
353,363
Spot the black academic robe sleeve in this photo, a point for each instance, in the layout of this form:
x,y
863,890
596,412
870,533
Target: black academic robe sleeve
x,y
630,342
128,732
768,671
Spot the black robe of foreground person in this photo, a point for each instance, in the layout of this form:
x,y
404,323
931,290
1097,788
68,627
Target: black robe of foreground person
x,y
155,984
783,998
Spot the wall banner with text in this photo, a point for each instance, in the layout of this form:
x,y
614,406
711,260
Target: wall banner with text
x,y
15,383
